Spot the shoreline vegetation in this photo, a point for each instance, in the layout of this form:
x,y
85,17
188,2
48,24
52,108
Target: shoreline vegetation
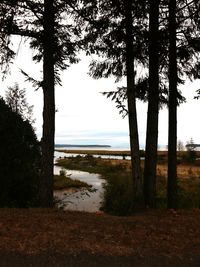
x,y
118,196
95,152
162,154
63,182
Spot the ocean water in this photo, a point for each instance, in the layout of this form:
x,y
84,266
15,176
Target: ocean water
x,y
109,148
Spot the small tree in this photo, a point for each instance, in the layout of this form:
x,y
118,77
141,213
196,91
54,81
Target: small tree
x,y
191,153
16,100
180,146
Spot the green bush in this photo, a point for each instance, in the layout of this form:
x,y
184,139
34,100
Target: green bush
x,y
19,160
118,195
191,156
189,193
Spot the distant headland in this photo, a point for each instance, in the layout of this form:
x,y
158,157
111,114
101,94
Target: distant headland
x,y
91,146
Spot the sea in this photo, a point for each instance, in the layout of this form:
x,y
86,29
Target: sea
x,y
89,147
92,147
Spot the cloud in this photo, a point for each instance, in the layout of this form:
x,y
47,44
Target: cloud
x,y
100,138
86,116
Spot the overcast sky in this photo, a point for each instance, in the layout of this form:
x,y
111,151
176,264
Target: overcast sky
x,y
85,116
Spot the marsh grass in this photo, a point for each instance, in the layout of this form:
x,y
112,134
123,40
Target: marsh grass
x,y
188,186
89,163
118,194
64,182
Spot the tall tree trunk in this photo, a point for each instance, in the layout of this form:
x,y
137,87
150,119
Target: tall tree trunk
x,y
132,113
172,134
46,183
153,102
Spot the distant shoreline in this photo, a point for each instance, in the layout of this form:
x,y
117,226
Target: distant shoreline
x,y
90,146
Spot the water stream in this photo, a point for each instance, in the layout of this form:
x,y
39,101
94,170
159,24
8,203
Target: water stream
x,y
88,200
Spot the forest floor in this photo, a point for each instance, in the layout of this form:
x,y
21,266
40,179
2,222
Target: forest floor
x,y
42,237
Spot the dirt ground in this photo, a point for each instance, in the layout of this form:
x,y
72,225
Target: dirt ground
x,y
38,237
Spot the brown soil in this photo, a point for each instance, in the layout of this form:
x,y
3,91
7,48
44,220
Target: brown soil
x,y
38,237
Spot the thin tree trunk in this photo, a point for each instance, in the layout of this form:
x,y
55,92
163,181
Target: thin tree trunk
x,y
153,102
46,183
132,113
172,135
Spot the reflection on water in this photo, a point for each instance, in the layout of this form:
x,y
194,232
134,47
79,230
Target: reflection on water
x,y
82,200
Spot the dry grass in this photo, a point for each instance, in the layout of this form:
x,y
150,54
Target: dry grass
x,y
184,171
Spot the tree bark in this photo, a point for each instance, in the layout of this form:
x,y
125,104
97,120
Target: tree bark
x,y
46,182
172,134
153,103
132,113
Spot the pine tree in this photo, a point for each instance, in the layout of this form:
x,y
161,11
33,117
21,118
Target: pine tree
x,y
16,100
172,135
132,113
153,106
46,180
117,35
56,43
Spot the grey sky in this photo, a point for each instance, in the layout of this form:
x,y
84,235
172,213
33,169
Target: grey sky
x,y
86,117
